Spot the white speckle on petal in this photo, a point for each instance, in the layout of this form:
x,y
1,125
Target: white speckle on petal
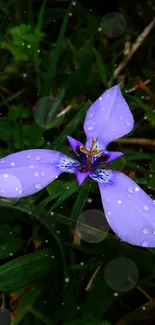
x,y
31,166
119,201
36,174
100,98
12,164
144,243
42,173
145,208
38,186
38,158
145,231
6,175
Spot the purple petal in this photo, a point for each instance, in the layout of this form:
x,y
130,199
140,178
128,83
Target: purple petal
x,y
113,155
27,172
129,210
105,157
108,118
81,176
74,143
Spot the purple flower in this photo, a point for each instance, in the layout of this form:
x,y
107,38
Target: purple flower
x,y
128,209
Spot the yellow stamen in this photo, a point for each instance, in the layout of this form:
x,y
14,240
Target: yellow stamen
x,y
94,140
81,147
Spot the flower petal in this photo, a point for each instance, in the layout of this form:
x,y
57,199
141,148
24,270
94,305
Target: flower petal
x,y
112,155
108,118
129,210
102,176
27,172
105,157
74,143
81,176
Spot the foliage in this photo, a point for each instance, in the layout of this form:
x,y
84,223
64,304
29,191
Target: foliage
x,y
57,49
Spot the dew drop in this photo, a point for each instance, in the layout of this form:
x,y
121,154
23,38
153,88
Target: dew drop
x,y
136,189
42,173
38,158
2,161
145,231
91,115
36,174
38,186
130,190
145,243
91,128
120,117
145,208
31,166
127,123
119,201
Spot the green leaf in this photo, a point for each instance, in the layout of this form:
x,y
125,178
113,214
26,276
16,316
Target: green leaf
x,y
24,270
10,240
73,187
118,164
80,201
25,303
70,127
101,68
50,74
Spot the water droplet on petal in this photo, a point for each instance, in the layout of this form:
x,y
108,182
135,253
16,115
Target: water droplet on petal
x,y
36,174
2,161
91,115
91,128
42,173
6,175
38,186
119,201
31,166
127,123
136,189
38,158
145,231
120,117
130,190
145,243
145,208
